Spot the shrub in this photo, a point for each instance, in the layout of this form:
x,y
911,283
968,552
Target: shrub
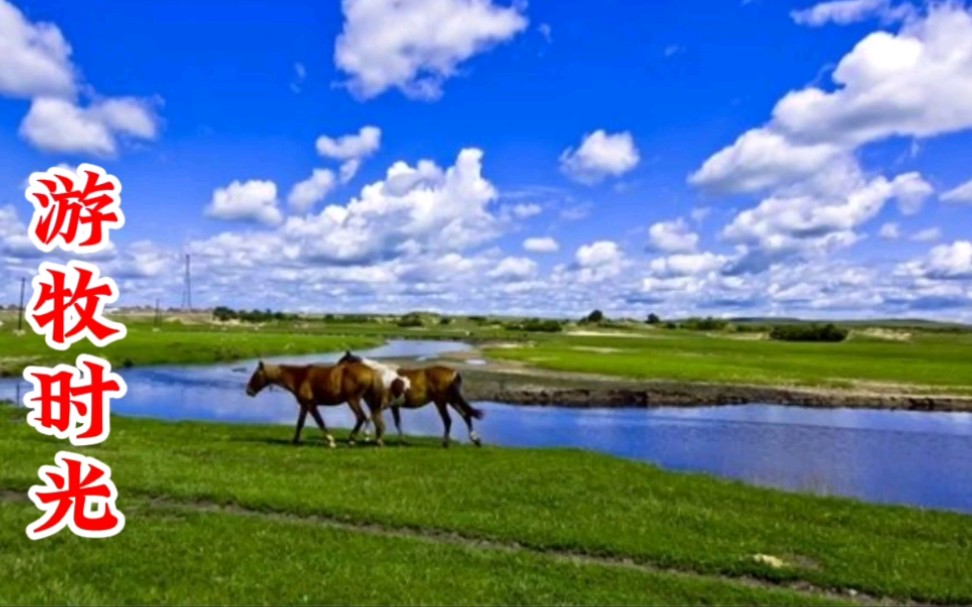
x,y
653,319
704,324
535,325
811,332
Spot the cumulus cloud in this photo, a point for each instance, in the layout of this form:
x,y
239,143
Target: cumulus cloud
x,y
600,155
35,63
944,262
514,268
252,200
312,190
598,261
541,245
672,237
686,265
57,125
962,193
415,45
910,84
352,149
14,241
816,221
35,59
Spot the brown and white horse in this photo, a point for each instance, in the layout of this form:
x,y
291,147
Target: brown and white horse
x,y
328,385
416,387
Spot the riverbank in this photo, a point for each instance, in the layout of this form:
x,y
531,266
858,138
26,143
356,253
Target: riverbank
x,y
209,504
541,390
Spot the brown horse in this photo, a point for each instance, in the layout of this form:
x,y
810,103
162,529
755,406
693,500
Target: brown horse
x,y
417,387
328,385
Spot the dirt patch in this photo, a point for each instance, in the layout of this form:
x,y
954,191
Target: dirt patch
x,y
886,334
595,349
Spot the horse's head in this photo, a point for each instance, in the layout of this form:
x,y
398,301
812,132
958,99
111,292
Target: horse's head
x,y
258,381
349,358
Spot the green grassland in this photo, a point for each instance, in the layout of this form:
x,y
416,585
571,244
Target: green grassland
x,y
941,361
234,514
918,357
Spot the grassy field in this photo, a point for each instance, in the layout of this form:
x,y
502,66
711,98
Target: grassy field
x,y
915,359
177,344
941,361
233,514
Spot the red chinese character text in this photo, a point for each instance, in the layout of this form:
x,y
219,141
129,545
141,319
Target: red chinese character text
x,y
69,403
74,210
78,493
68,303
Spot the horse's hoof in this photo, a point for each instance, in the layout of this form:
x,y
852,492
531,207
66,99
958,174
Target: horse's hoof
x,y
478,442
380,443
295,442
350,442
445,444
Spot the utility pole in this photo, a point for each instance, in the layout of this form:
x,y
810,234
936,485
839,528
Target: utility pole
x,y
20,318
187,288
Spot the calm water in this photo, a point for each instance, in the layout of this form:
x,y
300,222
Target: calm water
x,y
921,459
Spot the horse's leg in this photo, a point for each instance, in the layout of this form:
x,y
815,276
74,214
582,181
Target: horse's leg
x,y
467,417
379,425
446,420
301,418
320,424
359,416
397,414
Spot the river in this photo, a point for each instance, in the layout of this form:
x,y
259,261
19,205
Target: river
x,y
913,458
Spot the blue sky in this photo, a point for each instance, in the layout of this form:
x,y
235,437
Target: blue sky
x,y
735,158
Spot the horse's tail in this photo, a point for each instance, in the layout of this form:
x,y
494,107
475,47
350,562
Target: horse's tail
x,y
455,394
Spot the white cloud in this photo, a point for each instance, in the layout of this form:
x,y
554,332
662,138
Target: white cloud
x,y
761,159
962,193
686,265
672,237
816,221
350,147
415,45
514,268
541,245
599,156
253,200
910,84
312,190
844,12
598,261
944,262
35,63
34,57
57,125
927,235
890,231
414,212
